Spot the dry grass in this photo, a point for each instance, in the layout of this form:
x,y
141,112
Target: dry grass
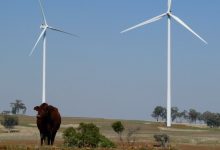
x,y
183,137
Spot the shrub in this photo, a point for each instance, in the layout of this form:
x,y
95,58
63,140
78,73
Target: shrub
x,y
70,137
163,139
105,142
9,121
86,135
89,135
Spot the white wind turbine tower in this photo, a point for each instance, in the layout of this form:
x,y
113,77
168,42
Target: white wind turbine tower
x,y
44,28
169,15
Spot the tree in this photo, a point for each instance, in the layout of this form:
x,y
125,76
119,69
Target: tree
x,y
193,115
174,113
164,114
118,128
211,119
181,115
206,116
200,117
185,115
18,106
159,112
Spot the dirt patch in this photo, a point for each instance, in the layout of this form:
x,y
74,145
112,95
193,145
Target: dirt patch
x,y
180,130
24,133
69,125
197,147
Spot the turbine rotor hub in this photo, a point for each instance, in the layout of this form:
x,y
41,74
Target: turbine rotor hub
x,y
43,26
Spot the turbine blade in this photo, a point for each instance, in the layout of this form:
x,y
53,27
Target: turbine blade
x,y
55,29
187,27
42,11
145,22
169,5
37,41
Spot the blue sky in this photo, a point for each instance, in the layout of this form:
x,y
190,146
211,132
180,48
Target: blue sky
x,y
104,73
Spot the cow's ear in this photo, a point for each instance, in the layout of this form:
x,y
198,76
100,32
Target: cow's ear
x,y
36,108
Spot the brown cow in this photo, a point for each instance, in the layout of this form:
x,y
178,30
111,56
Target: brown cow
x,y
48,122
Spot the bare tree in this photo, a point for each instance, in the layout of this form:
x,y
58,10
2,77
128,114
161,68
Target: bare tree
x,y
131,139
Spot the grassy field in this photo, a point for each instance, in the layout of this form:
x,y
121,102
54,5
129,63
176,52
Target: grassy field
x,y
183,137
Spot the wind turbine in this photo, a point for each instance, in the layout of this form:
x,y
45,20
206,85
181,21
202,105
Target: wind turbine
x,y
43,34
169,15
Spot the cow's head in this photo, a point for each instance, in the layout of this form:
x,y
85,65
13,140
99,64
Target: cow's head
x,y
42,110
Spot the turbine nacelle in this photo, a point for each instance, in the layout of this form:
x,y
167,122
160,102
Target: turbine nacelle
x,y
43,26
169,14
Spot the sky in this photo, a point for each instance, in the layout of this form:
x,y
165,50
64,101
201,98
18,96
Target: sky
x,y
103,73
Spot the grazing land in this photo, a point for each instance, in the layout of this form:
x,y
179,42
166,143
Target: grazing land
x,y
182,136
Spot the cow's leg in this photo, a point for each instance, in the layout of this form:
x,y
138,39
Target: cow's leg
x,y
50,138
42,138
41,141
53,137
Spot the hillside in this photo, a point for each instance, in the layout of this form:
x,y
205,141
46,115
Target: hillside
x,y
183,136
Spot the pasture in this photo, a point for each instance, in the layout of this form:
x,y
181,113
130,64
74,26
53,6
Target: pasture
x,y
182,136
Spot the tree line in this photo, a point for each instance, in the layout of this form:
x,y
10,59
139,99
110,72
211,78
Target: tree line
x,y
191,116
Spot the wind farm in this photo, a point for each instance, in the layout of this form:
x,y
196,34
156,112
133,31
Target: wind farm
x,y
121,84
